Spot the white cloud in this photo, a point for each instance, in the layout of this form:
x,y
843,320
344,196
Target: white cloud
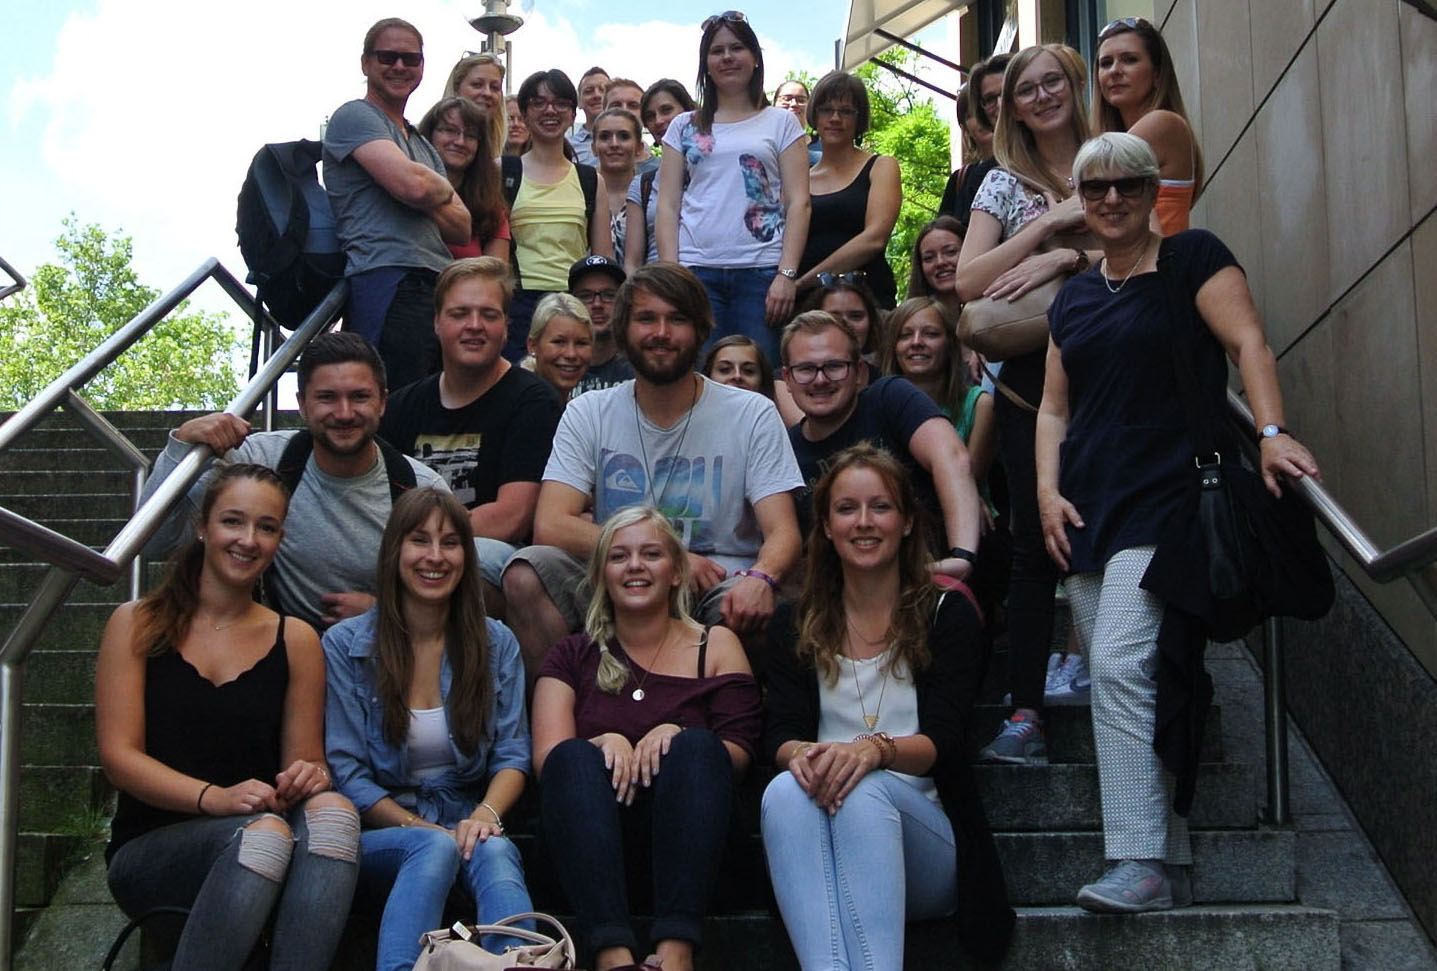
x,y
152,109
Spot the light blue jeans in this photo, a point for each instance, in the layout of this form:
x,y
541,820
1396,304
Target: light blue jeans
x,y
411,868
739,295
847,883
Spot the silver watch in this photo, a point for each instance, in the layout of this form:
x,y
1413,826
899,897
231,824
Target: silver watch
x,y
791,273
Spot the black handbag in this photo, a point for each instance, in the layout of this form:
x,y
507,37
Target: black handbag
x,y
1260,554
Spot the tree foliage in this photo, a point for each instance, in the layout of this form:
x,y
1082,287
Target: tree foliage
x,y
70,307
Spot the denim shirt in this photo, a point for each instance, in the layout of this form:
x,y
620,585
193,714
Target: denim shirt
x,y
367,766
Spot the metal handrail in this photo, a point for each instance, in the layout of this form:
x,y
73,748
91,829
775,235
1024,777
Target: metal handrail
x,y
71,561
1413,559
17,281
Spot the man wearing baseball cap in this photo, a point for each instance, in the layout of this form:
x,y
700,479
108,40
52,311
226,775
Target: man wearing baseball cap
x,y
595,281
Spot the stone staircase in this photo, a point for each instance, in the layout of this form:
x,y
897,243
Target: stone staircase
x,y
1046,819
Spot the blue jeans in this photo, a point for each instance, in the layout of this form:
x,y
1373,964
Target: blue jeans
x,y
206,863
738,295
411,869
847,883
683,818
393,308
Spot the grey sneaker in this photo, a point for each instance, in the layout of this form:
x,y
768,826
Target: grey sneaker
x,y
1131,887
1071,685
1020,742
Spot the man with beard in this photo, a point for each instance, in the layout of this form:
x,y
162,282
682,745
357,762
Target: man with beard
x,y
715,460
324,570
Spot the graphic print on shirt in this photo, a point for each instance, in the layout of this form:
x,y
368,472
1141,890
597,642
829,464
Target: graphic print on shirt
x,y
686,490
763,217
454,457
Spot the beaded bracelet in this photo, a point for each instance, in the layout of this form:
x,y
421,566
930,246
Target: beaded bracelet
x,y
887,747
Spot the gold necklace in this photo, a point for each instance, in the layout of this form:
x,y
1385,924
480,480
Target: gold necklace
x,y
638,693
870,720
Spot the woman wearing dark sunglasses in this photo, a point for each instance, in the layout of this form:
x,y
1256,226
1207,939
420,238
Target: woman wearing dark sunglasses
x,y
1136,91
733,189
1122,482
855,194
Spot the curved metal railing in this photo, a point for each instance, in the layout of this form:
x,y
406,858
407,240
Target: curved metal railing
x,y
72,561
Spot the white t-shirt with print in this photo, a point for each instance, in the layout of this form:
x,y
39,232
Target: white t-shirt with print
x,y
732,211
704,473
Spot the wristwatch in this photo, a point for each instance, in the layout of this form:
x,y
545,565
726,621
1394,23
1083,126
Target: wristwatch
x,y
1081,261
1270,431
790,272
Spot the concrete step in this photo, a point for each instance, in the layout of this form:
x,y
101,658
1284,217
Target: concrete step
x,y
70,456
60,677
53,734
75,627
109,480
1070,731
1024,798
40,860
19,581
52,794
47,505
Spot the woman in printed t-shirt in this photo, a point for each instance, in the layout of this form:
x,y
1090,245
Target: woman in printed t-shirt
x,y
733,201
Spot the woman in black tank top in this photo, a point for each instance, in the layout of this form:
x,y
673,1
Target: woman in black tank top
x,y
209,715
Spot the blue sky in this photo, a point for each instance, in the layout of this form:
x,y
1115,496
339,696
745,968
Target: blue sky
x,y
142,115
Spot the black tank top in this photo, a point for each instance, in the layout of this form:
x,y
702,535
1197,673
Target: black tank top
x,y
836,218
219,733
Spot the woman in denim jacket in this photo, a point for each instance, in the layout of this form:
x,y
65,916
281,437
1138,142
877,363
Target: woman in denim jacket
x,y
426,732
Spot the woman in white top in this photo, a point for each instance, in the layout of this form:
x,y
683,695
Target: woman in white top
x,y
733,195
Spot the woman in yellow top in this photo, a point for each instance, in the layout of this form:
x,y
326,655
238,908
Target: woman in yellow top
x,y
1136,91
556,213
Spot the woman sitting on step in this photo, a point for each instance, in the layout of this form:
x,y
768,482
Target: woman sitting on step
x,y
876,820
209,711
641,725
425,728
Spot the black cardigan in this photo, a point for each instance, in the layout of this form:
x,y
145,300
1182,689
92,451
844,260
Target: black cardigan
x,y
947,690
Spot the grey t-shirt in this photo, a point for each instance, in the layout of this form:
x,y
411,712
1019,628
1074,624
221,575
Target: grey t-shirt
x,y
375,228
332,532
705,473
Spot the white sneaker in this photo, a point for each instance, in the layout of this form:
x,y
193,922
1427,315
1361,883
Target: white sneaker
x,y
1072,685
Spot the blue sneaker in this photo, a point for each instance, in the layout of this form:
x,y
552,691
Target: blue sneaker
x,y
1131,887
1020,742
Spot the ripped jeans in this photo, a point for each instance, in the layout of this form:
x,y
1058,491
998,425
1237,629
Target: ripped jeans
x,y
232,875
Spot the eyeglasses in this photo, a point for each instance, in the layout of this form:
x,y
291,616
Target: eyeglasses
x,y
558,104
838,111
603,296
462,134
1129,187
834,279
410,58
792,99
733,16
831,371
1051,83
1122,24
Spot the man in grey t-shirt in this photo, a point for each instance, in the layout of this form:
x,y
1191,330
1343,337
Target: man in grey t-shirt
x,y
394,208
324,570
715,460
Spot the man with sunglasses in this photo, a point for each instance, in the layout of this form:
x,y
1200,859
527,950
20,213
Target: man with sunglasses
x,y
394,208
820,356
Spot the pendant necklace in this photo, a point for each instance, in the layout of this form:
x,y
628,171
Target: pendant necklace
x,y
870,720
678,451
1141,256
638,693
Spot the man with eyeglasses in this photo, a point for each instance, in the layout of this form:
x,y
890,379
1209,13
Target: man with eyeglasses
x,y
394,209
712,458
820,356
595,281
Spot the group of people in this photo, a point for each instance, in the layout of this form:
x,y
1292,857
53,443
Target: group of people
x,y
582,577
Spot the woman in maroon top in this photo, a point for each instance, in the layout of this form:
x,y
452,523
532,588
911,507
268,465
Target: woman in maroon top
x,y
641,725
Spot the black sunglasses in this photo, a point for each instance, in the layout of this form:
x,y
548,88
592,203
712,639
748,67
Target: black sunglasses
x,y
410,58
1125,23
1129,187
831,279
733,16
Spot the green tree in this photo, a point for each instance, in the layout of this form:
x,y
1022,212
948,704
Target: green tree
x,y
905,124
70,307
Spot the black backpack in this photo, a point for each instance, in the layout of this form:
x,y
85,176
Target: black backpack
x,y
286,231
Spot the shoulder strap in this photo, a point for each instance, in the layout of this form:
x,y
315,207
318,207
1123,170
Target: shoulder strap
x,y
511,170
703,652
396,469
646,189
294,458
589,182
